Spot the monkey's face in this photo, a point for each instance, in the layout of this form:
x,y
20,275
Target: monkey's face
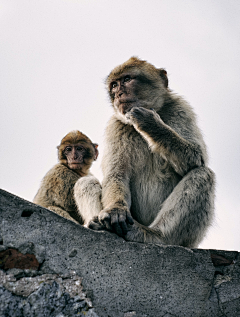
x,y
77,152
123,93
77,155
136,86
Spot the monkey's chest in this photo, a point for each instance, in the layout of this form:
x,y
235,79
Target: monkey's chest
x,y
150,186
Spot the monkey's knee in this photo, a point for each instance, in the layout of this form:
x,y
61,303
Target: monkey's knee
x,y
208,174
87,186
199,192
189,210
201,178
201,205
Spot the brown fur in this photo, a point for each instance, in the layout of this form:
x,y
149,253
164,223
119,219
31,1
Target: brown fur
x,y
57,187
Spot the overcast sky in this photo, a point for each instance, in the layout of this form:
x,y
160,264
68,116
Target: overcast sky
x,y
55,55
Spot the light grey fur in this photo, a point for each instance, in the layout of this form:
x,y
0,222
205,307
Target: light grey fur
x,y
87,195
155,166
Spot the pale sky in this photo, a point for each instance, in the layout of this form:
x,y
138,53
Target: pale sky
x,y
56,54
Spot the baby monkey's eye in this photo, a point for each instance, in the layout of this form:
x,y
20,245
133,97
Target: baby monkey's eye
x,y
68,148
127,78
79,148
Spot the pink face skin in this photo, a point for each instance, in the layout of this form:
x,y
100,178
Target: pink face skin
x,y
75,155
122,90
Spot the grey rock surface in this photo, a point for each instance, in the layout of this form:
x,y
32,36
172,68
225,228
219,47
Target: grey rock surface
x,y
47,300
115,278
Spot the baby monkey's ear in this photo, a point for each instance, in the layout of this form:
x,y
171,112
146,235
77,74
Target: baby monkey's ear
x,y
95,145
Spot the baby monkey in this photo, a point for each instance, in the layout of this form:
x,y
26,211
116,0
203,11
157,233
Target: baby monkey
x,y
76,154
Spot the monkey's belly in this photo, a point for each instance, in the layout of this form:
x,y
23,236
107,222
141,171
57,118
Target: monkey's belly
x,y
147,196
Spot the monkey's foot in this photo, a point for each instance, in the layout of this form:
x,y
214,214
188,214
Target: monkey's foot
x,y
134,234
143,234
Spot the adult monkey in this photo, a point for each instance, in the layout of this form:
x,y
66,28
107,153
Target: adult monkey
x,y
76,154
156,186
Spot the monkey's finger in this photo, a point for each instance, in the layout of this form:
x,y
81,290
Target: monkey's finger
x,y
117,229
122,220
95,226
129,218
116,225
153,110
95,219
105,219
124,227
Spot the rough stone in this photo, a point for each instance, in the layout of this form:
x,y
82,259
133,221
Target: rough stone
x,y
116,278
47,300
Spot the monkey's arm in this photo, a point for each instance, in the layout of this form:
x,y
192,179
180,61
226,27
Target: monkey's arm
x,y
56,192
62,213
116,195
62,194
116,200
184,154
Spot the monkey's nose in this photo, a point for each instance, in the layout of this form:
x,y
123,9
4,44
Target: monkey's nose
x,y
75,154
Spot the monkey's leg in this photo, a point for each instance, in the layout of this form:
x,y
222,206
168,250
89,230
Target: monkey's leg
x,y
140,233
188,211
62,213
185,215
87,195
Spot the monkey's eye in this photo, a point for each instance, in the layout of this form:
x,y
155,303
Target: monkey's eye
x,y
127,78
79,148
113,84
68,148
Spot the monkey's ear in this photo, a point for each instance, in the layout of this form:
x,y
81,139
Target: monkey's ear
x,y
163,75
96,151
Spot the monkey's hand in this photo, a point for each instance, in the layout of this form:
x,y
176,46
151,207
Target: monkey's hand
x,y
116,219
94,224
142,119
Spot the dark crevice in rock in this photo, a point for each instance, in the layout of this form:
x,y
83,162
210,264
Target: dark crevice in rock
x,y
27,213
219,260
219,304
41,265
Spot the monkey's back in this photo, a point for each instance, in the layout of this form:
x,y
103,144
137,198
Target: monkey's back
x,y
56,188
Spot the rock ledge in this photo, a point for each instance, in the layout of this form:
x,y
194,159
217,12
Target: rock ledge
x,y
50,266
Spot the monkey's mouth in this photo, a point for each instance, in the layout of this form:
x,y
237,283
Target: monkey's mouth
x,y
75,165
124,107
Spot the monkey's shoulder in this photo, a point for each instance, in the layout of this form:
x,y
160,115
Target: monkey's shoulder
x,y
177,113
60,172
177,110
